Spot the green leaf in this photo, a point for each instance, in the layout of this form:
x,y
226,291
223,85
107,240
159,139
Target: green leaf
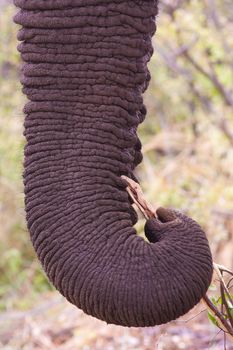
x,y
212,319
214,300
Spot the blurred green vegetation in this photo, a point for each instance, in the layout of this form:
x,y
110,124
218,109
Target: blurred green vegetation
x,y
20,274
187,135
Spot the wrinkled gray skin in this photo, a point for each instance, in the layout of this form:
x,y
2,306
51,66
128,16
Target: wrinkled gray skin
x,y
84,74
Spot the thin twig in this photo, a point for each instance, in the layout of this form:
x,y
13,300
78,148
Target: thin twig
x,y
223,268
225,293
222,322
210,75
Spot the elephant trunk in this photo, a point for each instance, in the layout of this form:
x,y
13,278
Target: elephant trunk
x,y
85,71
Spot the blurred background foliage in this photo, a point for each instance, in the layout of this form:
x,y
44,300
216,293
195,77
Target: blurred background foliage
x,y
20,274
187,136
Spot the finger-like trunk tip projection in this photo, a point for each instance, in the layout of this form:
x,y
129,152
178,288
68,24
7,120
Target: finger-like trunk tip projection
x,y
85,69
